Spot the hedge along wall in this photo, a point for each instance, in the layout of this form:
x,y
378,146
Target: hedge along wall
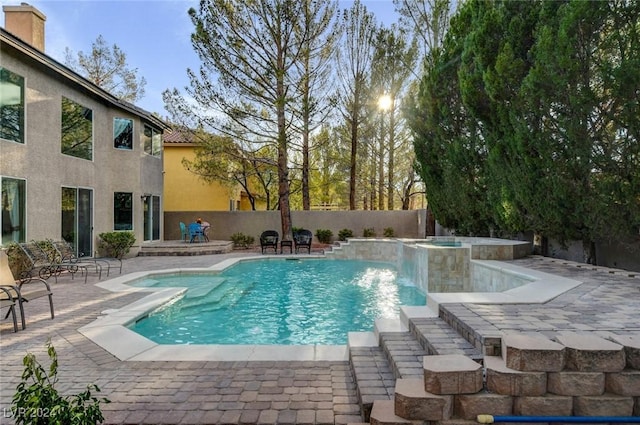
x,y
405,224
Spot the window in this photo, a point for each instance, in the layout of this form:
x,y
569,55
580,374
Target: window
x,y
11,106
152,140
13,210
123,211
77,130
123,133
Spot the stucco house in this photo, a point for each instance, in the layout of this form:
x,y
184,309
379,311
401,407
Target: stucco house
x,y
75,161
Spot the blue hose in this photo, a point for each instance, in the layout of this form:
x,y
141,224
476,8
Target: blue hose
x,y
489,419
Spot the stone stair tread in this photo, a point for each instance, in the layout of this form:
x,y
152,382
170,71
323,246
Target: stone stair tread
x,y
438,337
404,354
373,375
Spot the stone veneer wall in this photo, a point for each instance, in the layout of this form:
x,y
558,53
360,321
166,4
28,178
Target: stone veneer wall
x,y
436,268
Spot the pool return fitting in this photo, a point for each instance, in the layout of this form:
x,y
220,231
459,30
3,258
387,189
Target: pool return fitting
x,y
489,419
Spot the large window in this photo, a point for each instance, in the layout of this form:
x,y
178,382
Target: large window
x,y
122,211
152,140
77,130
123,133
11,106
13,210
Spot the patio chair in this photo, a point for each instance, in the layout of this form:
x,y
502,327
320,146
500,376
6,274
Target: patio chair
x,y
206,227
49,263
22,291
184,234
39,261
269,239
302,239
6,301
66,255
195,231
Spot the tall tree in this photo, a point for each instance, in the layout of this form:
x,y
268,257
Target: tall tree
x,y
393,64
317,34
428,20
354,62
107,68
248,77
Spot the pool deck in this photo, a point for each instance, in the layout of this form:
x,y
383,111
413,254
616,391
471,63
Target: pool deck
x,y
269,391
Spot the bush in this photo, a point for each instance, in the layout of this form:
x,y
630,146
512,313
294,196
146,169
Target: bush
x,y
344,234
18,262
324,235
37,401
115,244
388,232
240,240
369,232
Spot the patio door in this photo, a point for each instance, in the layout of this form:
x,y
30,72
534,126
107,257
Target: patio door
x,y
77,219
151,218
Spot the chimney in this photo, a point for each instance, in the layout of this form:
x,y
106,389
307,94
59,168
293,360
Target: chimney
x,y
25,22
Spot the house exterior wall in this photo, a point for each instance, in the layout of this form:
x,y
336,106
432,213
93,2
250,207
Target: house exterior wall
x,y
186,191
46,170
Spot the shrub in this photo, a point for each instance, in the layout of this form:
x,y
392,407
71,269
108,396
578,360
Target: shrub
x,y
116,244
295,230
240,240
388,232
18,262
37,401
369,232
344,234
324,235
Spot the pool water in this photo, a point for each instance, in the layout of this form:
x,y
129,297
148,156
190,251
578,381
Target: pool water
x,y
284,302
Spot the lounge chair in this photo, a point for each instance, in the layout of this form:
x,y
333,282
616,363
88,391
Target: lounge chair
x,y
302,239
38,263
195,231
66,255
269,239
7,301
41,262
22,291
184,234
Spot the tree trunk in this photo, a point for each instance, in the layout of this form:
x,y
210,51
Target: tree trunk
x,y
390,175
381,165
354,149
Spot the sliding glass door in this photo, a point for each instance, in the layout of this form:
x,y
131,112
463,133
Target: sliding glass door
x,y
152,218
77,219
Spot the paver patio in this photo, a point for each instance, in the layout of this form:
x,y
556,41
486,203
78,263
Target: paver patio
x,y
171,392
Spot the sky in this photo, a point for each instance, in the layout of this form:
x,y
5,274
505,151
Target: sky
x,y
154,34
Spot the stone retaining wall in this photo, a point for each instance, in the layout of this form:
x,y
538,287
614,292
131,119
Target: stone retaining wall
x,y
576,374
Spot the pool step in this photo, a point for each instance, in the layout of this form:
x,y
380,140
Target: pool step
x,y
226,293
202,291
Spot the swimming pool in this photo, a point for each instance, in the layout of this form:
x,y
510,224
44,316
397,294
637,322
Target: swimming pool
x,y
278,301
